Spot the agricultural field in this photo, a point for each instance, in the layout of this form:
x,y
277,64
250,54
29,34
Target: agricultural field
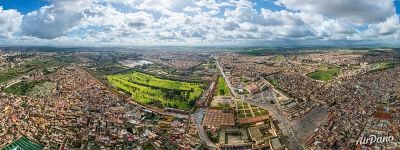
x,y
148,89
325,74
245,110
222,88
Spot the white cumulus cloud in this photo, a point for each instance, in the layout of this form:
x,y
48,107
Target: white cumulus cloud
x,y
55,20
10,21
357,11
203,21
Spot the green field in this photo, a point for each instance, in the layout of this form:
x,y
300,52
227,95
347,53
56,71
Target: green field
x,y
148,89
11,73
273,81
20,88
383,65
222,88
148,146
324,74
34,89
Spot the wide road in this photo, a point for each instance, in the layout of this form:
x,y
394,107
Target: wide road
x,y
198,119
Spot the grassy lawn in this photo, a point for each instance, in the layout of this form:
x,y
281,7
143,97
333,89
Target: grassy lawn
x,y
278,58
273,81
148,146
242,116
239,103
223,106
245,105
324,74
244,80
148,89
222,87
263,111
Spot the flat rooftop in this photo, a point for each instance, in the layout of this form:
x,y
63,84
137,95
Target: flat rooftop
x,y
217,118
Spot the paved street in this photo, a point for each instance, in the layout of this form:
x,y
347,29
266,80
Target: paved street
x,y
198,119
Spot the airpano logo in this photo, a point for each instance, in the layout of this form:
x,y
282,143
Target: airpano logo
x,y
373,139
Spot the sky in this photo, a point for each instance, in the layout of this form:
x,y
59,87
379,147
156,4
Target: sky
x,y
199,22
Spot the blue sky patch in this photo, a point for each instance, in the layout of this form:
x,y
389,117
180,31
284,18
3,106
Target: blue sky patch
x,y
23,6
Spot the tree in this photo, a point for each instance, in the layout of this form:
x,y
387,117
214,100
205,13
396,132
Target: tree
x,y
192,103
222,91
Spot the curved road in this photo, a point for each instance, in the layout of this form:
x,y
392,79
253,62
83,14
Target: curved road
x,y
198,119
